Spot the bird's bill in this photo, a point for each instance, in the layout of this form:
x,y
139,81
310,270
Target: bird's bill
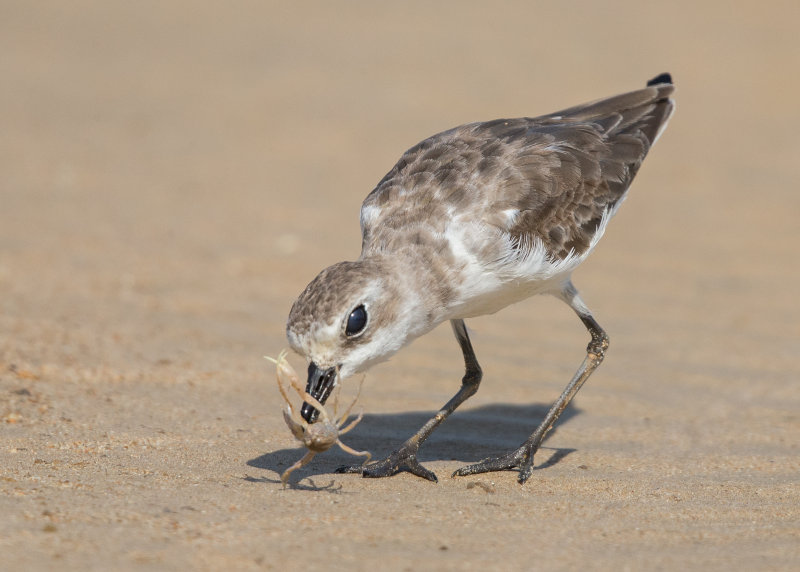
x,y
320,384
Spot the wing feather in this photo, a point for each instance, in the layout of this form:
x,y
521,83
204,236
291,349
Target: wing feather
x,y
558,173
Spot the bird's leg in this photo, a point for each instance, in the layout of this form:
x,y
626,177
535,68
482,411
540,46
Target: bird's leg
x,y
405,458
522,458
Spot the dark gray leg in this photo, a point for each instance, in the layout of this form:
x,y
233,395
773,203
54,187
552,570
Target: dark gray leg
x,y
522,458
405,458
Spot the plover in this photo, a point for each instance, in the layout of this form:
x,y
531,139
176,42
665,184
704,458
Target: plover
x,y
467,222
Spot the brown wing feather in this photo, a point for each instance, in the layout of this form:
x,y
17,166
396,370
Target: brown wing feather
x,y
592,156
560,171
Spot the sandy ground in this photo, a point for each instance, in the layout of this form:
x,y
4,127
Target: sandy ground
x,y
174,174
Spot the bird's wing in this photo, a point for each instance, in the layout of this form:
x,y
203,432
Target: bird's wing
x,y
550,178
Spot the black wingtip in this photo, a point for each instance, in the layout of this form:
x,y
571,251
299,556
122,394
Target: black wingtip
x,y
659,79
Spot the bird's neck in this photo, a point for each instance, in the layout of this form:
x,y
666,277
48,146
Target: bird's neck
x,y
419,276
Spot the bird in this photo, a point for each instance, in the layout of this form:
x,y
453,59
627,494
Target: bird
x,y
467,222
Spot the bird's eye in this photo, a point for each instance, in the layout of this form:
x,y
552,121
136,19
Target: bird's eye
x,y
356,322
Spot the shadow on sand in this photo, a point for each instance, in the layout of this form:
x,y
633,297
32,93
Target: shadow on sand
x,y
468,436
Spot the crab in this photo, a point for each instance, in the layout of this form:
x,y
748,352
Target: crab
x,y
324,433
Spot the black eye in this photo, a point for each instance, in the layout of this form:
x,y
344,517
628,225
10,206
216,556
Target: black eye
x,y
356,322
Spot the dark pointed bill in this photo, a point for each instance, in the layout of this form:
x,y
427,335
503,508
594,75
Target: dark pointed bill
x,y
320,384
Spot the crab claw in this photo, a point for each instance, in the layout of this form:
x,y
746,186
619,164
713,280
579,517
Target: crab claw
x,y
296,428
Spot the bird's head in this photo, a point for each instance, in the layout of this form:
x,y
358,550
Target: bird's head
x,y
350,317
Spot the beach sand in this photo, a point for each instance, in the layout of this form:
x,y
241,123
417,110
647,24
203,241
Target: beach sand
x,y
173,175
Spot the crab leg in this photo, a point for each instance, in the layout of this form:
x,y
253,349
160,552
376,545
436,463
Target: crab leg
x,y
352,424
301,463
344,417
352,451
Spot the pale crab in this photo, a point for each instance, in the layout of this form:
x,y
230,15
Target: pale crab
x,y
323,433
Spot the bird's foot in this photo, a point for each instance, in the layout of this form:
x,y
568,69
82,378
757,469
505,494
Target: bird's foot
x,y
521,459
404,459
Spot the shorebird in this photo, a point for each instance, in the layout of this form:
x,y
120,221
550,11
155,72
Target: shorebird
x,y
467,222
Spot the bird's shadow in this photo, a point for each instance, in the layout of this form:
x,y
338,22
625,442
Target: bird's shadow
x,y
468,436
